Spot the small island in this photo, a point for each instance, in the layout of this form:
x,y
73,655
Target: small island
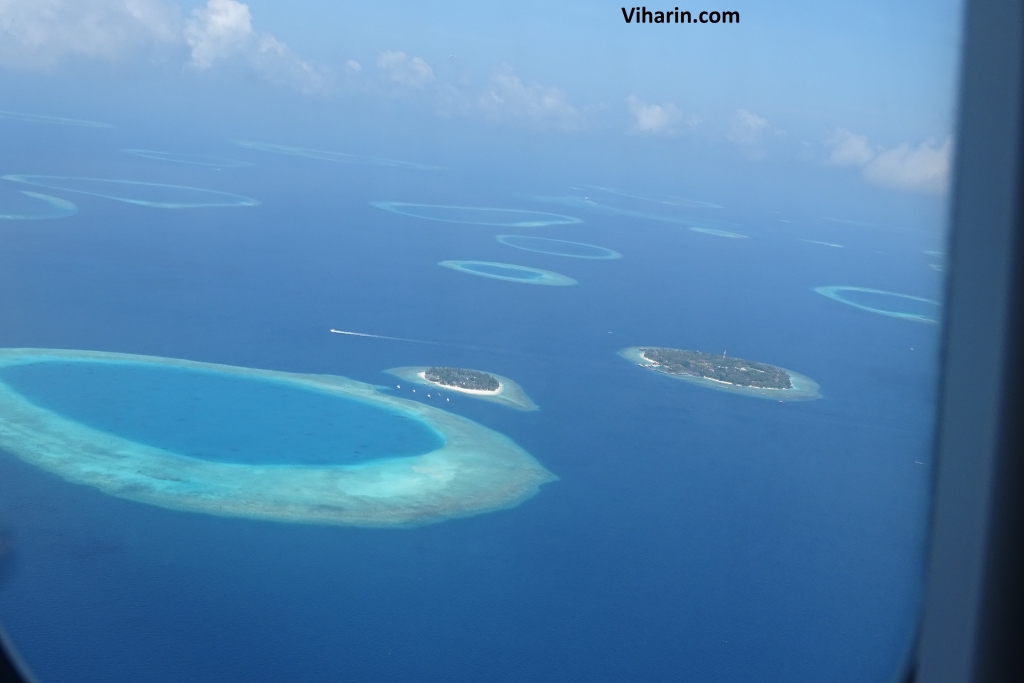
x,y
737,375
475,383
463,379
736,371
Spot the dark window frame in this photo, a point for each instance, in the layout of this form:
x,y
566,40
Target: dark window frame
x,y
971,620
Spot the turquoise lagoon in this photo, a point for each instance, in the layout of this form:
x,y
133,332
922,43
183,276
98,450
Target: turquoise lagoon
x,y
477,215
882,302
157,195
510,272
25,205
253,443
546,245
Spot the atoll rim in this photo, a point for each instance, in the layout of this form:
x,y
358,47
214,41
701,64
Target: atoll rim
x,y
477,215
192,159
683,202
510,272
720,233
546,245
802,388
325,155
915,308
467,469
40,118
156,195
40,207
824,244
510,395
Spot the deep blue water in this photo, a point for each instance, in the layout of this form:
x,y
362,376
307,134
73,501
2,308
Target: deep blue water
x,y
220,417
693,535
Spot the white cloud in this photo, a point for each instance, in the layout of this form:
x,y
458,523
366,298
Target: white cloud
x,y
39,34
508,98
217,31
353,67
849,149
747,128
653,118
924,168
405,71
222,31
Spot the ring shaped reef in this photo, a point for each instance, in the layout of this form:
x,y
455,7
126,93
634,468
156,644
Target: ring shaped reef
x,y
546,245
510,272
161,195
835,292
342,157
469,469
477,215
720,233
193,159
53,207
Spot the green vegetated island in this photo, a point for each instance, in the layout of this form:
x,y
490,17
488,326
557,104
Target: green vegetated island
x,y
462,378
719,371
476,383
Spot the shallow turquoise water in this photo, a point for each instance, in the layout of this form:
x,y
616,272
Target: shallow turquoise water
x,y
141,193
503,271
890,302
477,215
545,245
220,417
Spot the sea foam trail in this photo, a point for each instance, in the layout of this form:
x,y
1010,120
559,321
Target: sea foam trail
x,y
413,341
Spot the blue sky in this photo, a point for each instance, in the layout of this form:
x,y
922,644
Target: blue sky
x,y
861,93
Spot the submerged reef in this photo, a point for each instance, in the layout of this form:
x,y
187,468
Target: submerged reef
x,y
40,118
342,157
475,470
510,272
921,310
720,233
735,375
469,382
193,159
157,195
477,215
546,245
50,207
667,200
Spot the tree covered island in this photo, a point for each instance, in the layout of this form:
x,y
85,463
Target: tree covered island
x,y
736,371
462,378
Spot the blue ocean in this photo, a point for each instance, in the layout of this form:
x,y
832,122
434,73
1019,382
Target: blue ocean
x,y
692,534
